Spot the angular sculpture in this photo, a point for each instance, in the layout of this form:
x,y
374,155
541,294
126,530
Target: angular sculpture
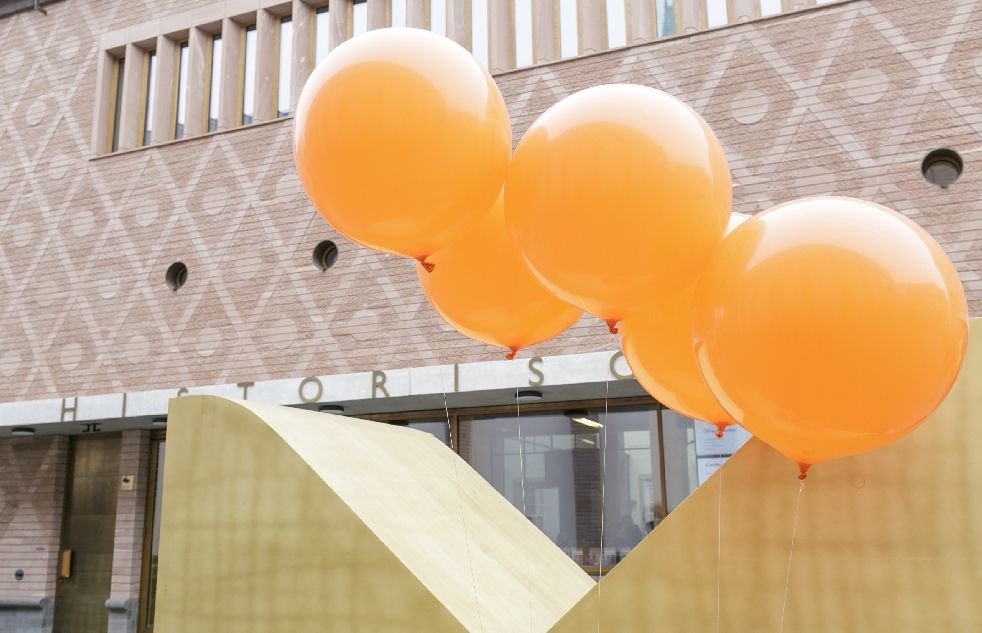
x,y
886,542
284,520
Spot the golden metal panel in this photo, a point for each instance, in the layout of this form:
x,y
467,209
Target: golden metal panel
x,y
278,519
889,541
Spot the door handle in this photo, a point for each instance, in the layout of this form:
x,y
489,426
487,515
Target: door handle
x,y
65,564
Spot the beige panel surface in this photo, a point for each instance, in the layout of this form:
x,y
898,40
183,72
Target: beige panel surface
x,y
279,519
887,542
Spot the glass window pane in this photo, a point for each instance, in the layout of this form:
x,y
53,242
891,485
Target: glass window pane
x,y
322,34
523,33
665,16
438,16
283,76
398,12
616,23
770,7
479,31
716,13
568,29
359,17
214,90
249,76
150,97
155,536
437,427
118,105
562,475
182,91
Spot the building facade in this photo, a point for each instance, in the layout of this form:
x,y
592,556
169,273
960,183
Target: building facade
x,y
155,241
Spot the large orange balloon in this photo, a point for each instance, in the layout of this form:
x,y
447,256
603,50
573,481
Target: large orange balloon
x,y
829,326
482,287
617,196
657,343
401,139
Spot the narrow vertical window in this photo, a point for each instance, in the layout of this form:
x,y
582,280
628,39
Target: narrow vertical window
x,y
359,17
181,96
285,64
523,33
117,101
569,37
322,34
770,7
479,31
665,16
438,16
716,13
149,97
215,82
616,23
249,75
398,12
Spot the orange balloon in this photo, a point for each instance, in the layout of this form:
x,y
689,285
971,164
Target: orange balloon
x,y
657,344
829,327
482,287
617,196
401,139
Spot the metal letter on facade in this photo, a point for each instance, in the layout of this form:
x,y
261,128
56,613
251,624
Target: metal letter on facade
x,y
378,383
183,391
613,367
245,388
65,408
540,377
311,380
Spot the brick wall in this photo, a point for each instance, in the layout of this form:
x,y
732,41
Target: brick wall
x,y
130,509
844,99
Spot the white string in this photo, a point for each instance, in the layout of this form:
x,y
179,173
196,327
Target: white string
x,y
787,580
603,499
460,502
521,462
719,541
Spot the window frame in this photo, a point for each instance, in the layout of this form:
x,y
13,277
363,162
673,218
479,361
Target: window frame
x,y
114,131
176,93
243,67
148,96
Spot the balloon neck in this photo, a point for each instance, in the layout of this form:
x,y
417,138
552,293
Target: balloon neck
x,y
511,355
427,266
803,471
612,325
720,429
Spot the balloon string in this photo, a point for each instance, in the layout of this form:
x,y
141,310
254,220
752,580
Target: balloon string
x,y
460,503
521,462
787,580
603,499
719,540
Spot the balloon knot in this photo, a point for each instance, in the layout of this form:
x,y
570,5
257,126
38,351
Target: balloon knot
x,y
803,471
720,429
427,266
612,325
511,355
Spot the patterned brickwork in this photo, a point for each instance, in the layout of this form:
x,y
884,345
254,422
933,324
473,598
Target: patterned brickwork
x,y
32,485
130,508
844,99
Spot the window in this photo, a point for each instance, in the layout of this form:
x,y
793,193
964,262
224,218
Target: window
x,y
359,17
149,97
616,23
285,53
398,12
665,16
436,427
523,33
117,101
155,494
248,75
568,30
181,96
479,31
716,13
942,167
438,16
214,82
770,7
322,34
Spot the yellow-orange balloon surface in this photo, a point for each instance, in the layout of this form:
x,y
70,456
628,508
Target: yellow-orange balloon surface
x,y
657,343
829,326
401,139
617,195
482,286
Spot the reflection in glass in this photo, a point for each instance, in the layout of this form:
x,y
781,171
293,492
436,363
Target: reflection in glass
x,y
359,17
283,73
216,82
322,34
249,75
398,12
479,31
770,7
155,536
616,23
435,427
117,103
562,475
150,97
568,30
716,13
523,33
438,16
665,17
182,91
